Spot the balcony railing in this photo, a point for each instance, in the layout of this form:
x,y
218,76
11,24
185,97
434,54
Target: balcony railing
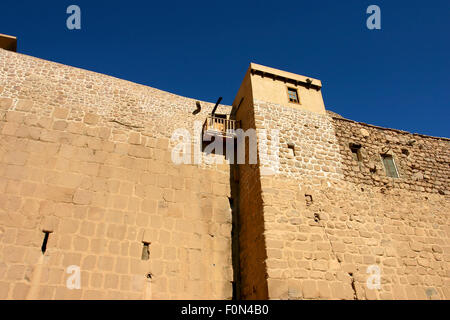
x,y
220,126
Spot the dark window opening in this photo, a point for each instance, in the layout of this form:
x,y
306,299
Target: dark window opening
x,y
291,147
44,243
356,151
145,251
308,199
316,217
389,165
405,152
199,108
293,95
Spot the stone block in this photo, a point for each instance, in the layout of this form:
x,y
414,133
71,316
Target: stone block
x,y
310,289
59,194
49,224
4,290
111,281
16,157
60,113
324,290
24,105
15,117
60,125
6,103
10,129
20,291
91,118
134,138
148,236
82,197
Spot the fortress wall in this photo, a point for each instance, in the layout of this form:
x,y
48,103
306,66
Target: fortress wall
x,y
318,249
324,226
316,152
88,157
422,161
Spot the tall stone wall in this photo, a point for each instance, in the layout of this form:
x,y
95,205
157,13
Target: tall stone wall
x,y
422,162
316,151
88,157
329,220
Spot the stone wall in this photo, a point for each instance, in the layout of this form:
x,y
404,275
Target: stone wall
x,y
328,218
87,157
322,239
316,151
422,161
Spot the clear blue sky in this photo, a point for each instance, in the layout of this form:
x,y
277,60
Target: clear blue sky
x,y
395,77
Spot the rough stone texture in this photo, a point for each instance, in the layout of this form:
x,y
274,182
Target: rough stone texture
x,y
87,158
92,153
316,153
348,227
327,217
422,161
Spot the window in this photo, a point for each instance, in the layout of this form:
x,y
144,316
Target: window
x,y
309,199
389,165
356,151
145,251
291,147
293,95
44,243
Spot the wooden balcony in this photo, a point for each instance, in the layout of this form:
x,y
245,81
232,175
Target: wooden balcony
x,y
220,126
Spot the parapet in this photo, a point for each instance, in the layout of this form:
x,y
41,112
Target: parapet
x,y
265,84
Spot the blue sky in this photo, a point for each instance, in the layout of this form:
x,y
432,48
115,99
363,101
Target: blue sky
x,y
396,77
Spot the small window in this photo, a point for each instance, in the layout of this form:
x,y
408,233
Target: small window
x,y
309,199
291,148
44,243
293,95
389,165
145,251
356,151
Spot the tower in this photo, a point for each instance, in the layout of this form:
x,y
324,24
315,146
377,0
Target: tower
x,y
265,84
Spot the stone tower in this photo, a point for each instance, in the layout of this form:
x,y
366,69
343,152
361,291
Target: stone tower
x,y
352,211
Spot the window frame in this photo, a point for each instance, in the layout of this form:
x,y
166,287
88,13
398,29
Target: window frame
x,y
387,155
296,93
291,147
